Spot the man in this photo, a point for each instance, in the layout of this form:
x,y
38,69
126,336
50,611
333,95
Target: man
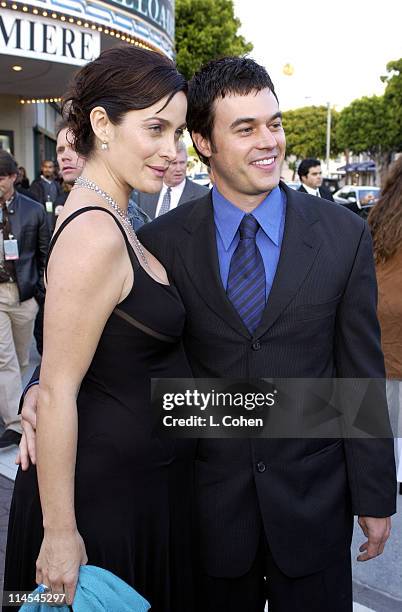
x,y
176,190
69,162
310,174
275,284
24,240
45,188
70,165
305,308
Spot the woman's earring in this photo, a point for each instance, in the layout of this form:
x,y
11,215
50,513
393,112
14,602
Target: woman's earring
x,y
104,146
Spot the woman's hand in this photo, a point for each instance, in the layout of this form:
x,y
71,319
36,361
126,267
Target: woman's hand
x,y
61,555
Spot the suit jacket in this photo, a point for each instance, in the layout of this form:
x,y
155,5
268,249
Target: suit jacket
x,y
324,192
37,189
149,201
320,322
29,226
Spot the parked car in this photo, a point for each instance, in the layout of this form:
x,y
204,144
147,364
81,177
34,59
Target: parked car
x,y
201,178
358,198
361,195
331,183
294,185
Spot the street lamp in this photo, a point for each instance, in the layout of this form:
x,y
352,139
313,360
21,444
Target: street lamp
x,y
328,144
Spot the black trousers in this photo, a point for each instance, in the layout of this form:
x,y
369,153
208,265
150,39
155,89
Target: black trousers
x,y
329,590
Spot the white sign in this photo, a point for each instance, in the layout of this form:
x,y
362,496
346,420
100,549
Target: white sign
x,y
37,37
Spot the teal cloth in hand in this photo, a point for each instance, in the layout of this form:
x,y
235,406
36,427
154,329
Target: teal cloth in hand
x,y
98,590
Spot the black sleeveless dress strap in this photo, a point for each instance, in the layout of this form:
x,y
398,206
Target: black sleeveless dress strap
x,y
75,214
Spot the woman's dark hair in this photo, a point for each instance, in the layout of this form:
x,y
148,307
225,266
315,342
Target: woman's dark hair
x,y
121,79
217,79
385,218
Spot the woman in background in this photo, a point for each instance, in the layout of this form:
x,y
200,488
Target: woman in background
x,y
385,220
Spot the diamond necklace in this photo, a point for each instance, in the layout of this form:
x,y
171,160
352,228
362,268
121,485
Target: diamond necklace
x,y
82,181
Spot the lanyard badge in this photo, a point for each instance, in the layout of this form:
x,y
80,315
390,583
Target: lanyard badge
x,y
11,249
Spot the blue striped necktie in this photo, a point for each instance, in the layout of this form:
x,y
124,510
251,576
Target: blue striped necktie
x,y
246,281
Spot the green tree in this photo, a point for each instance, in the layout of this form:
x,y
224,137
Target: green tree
x,y
364,127
373,125
206,29
393,100
306,132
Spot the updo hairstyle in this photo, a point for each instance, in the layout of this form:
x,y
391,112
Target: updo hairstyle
x,y
121,79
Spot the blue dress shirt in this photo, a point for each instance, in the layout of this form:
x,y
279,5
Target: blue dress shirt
x,y
270,214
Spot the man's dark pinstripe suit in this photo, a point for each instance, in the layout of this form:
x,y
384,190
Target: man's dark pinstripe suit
x,y
320,321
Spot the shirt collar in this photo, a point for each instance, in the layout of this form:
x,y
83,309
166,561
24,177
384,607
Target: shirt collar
x,y
310,190
228,216
176,187
10,200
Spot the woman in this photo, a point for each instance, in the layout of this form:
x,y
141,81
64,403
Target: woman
x,y
112,493
385,220
22,178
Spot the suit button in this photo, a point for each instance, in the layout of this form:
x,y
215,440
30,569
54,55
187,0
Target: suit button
x,y
261,467
256,345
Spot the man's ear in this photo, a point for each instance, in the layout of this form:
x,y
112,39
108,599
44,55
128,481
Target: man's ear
x,y
203,145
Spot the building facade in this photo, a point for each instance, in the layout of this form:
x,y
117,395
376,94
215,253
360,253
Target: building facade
x,y
43,43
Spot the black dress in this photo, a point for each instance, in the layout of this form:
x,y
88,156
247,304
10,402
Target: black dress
x,y
132,489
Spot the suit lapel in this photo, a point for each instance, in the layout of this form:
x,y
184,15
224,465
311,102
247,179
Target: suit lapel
x,y
300,246
200,258
186,193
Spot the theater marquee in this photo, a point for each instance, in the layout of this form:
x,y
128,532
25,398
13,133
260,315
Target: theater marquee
x,y
43,38
159,13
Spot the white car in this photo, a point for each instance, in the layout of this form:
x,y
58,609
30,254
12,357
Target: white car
x,y
357,196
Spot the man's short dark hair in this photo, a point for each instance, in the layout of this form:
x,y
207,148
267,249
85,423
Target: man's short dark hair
x,y
8,165
306,164
217,79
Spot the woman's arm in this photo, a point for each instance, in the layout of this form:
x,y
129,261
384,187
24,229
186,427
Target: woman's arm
x,y
89,273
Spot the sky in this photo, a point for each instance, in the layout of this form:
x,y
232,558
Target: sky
x,y
338,48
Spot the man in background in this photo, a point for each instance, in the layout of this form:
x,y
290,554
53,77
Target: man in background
x,y
176,189
310,174
45,188
24,241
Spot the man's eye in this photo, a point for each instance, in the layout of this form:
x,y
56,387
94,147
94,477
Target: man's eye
x,y
246,130
277,125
